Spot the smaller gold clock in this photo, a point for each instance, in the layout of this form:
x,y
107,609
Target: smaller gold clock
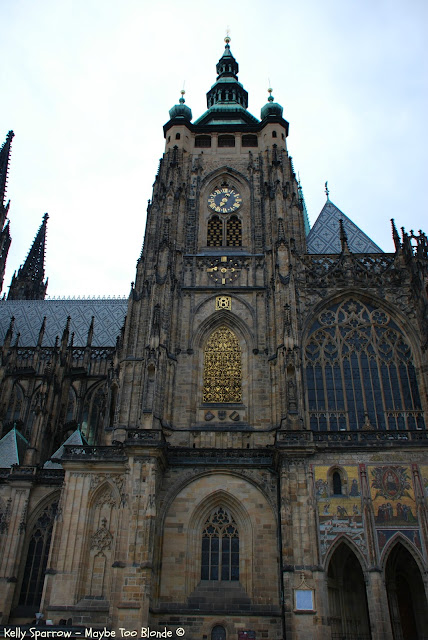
x,y
224,200
224,270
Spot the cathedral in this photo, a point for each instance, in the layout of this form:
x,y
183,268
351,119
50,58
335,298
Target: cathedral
x,y
239,449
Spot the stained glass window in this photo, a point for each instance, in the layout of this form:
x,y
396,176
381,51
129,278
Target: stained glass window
x,y
220,547
360,372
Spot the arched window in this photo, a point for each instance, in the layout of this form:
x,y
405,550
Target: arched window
x,y
37,558
93,410
337,484
360,372
215,232
220,547
222,367
15,404
234,232
71,405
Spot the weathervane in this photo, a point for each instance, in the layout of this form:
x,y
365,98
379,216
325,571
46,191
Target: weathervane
x,y
326,190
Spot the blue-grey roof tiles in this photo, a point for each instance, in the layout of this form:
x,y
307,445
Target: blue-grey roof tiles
x,y
108,315
324,237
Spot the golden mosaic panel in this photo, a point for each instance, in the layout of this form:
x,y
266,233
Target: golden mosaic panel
x,y
392,495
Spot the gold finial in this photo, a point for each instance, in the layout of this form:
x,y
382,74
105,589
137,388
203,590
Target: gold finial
x,y
182,92
227,38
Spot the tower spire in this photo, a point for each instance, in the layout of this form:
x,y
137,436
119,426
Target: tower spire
x,y
4,167
5,238
28,284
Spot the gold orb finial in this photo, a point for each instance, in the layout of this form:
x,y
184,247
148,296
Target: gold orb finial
x,y
182,92
227,38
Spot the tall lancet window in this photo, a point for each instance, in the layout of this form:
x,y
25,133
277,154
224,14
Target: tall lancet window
x,y
220,547
222,367
360,372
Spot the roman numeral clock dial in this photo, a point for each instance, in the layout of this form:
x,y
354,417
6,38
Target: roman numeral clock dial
x,y
224,200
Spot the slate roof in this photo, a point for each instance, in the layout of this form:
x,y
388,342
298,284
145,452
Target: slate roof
x,y
324,236
109,317
76,438
12,448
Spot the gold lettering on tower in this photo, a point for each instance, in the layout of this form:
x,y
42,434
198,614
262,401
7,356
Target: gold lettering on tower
x,y
222,367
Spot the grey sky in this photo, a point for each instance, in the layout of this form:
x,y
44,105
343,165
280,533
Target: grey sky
x,y
87,85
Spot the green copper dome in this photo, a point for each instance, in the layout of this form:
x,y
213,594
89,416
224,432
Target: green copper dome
x,y
181,110
271,108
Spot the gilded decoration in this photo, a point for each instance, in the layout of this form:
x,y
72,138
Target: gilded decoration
x,y
222,368
223,302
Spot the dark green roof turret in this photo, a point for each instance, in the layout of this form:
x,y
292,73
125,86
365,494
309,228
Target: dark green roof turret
x,y
227,89
181,110
271,108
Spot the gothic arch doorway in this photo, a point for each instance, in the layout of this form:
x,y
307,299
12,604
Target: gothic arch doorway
x,y
347,599
408,607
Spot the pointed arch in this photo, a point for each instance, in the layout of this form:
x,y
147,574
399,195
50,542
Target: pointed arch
x,y
407,601
400,538
347,597
36,549
15,405
360,372
344,539
202,513
100,540
94,406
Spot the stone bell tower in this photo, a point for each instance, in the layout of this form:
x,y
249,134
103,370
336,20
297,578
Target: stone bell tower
x,y
210,280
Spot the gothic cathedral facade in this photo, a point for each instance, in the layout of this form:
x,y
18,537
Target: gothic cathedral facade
x,y
244,455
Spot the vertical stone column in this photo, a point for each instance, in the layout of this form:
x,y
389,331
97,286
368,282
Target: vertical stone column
x,y
134,593
377,601
12,548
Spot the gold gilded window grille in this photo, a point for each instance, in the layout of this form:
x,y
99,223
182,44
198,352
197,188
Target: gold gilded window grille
x,y
215,232
222,368
234,232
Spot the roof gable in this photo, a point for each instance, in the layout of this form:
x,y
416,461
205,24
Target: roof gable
x,y
324,236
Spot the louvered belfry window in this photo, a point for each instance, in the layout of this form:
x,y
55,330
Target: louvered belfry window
x,y
215,232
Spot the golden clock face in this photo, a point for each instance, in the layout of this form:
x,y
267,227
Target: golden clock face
x,y
224,200
224,270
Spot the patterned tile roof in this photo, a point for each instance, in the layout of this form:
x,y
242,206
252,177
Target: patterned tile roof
x,y
12,448
109,316
324,236
76,438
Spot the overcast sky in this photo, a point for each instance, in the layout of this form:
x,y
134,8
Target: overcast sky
x,y
87,85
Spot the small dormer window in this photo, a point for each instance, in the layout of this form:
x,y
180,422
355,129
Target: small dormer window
x,y
274,135
177,136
